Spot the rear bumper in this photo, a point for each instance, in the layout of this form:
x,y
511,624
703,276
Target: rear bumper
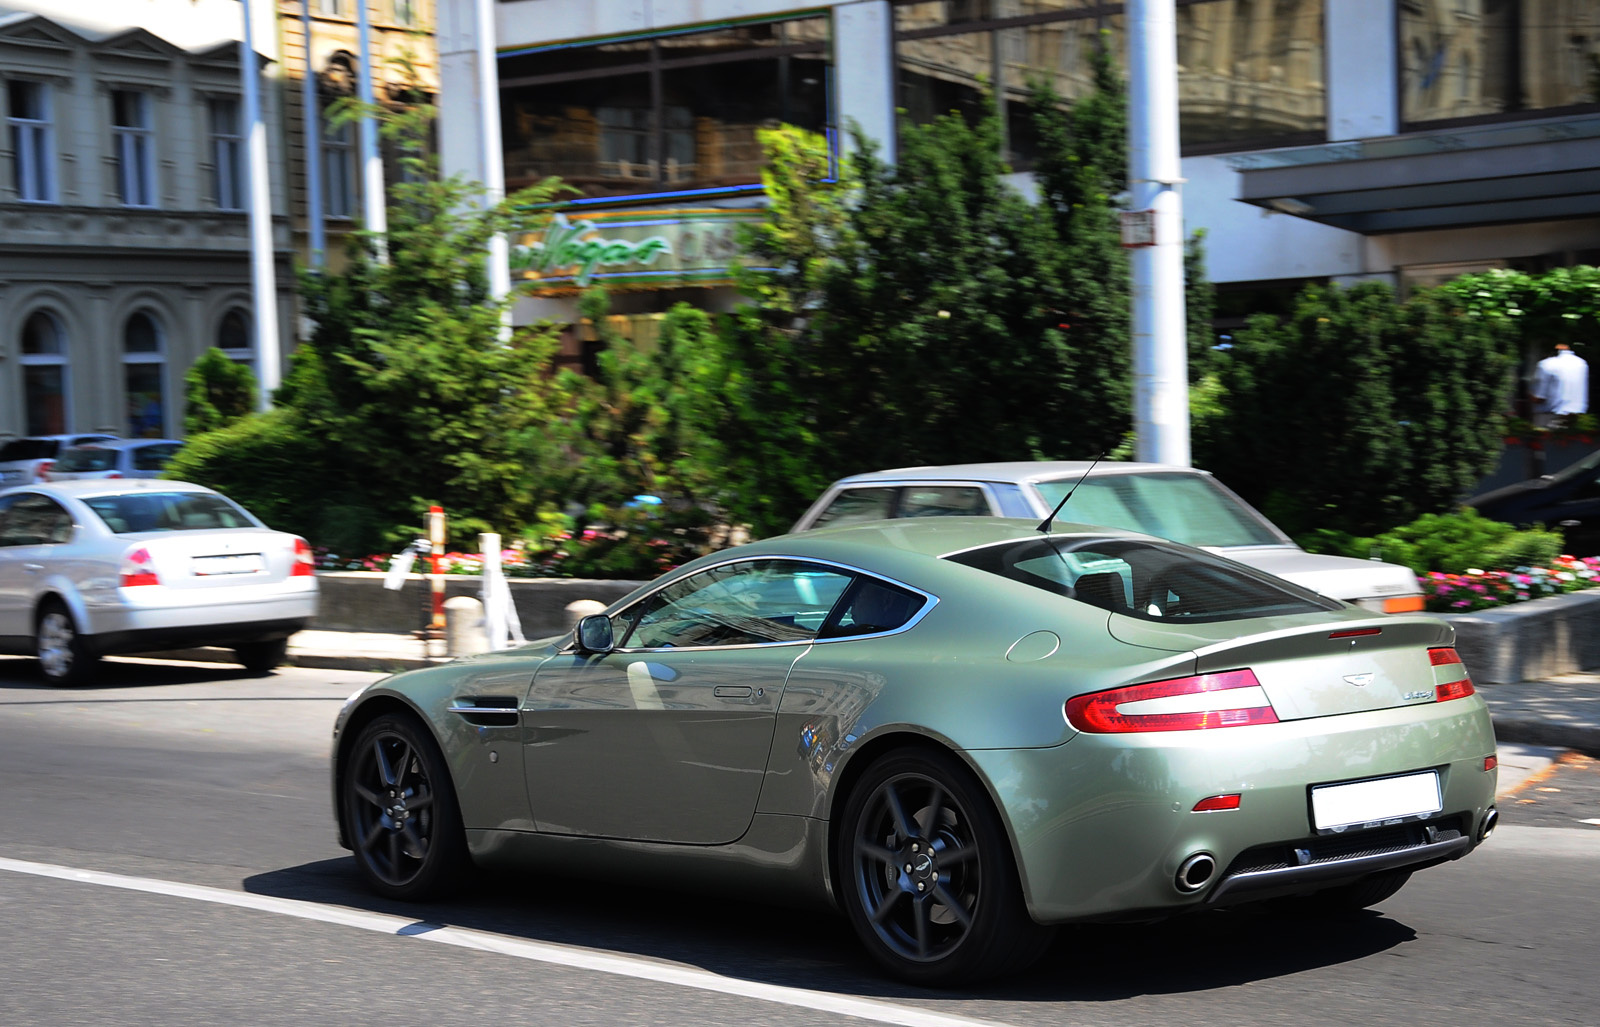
x,y
184,637
1102,823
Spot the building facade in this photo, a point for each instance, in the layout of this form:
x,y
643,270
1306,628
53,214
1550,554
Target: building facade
x,y
1323,140
124,248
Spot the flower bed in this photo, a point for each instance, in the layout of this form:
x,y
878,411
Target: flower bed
x,y
1488,590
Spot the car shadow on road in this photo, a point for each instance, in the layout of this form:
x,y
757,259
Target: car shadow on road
x,y
811,948
21,673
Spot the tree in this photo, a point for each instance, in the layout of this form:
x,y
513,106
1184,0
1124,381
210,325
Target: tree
x,y
1356,412
406,392
217,392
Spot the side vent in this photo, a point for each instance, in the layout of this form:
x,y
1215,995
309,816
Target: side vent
x,y
486,710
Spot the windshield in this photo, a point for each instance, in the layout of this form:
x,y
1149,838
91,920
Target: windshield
x,y
87,459
28,449
134,512
1187,508
1144,580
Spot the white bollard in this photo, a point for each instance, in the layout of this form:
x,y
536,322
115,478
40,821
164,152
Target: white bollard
x,y
463,627
581,608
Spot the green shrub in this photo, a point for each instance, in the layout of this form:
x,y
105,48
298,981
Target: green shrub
x,y
217,392
1450,543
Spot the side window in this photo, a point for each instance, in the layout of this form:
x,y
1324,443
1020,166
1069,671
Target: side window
x,y
944,501
153,458
873,607
34,520
746,603
855,505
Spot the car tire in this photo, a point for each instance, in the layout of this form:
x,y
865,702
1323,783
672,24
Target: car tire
x,y
260,658
400,809
1352,897
64,656
957,916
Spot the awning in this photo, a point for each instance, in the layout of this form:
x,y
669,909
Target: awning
x,y
1528,171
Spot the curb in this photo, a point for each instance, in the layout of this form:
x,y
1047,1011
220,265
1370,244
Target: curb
x,y
1584,738
310,660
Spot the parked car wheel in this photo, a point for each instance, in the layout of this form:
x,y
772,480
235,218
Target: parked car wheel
x,y
401,811
261,657
64,657
928,881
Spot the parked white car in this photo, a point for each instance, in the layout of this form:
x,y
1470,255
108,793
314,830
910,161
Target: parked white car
x,y
114,458
90,568
26,460
1178,503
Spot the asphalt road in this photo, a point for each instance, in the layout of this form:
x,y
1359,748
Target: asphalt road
x,y
167,857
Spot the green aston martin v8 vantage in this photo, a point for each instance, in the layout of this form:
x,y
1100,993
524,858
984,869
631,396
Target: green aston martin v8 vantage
x,y
960,731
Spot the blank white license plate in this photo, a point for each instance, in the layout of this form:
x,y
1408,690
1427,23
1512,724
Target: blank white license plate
x,y
1369,802
234,563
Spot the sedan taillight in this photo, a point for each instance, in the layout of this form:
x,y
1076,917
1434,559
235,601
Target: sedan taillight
x,y
1459,689
304,563
44,469
1232,698
138,569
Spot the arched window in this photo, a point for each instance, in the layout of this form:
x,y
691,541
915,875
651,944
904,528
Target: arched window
x,y
144,376
235,338
44,374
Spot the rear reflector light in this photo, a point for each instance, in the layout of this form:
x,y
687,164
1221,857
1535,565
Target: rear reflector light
x,y
1443,657
1217,802
1490,762
1232,698
1403,604
1453,690
304,563
137,569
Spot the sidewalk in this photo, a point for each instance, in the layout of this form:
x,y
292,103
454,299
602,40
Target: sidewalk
x,y
1560,712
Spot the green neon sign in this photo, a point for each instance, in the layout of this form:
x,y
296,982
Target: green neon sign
x,y
564,246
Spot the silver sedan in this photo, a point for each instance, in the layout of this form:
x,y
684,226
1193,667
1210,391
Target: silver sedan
x,y
89,568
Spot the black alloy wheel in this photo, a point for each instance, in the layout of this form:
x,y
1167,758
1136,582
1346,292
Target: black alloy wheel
x,y
928,879
400,811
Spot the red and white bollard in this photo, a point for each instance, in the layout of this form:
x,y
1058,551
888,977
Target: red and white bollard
x,y
436,569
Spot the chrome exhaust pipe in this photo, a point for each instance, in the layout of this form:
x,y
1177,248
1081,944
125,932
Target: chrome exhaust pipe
x,y
1491,820
1196,872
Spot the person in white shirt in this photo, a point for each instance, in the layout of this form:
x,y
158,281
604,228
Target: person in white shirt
x,y
1560,388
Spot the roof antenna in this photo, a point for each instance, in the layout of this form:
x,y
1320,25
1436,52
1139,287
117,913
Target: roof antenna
x,y
1044,525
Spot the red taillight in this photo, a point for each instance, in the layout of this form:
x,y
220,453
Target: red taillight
x,y
1217,802
304,563
1451,689
114,474
44,468
138,569
1490,762
1232,698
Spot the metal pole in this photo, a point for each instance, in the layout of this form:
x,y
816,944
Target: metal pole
x,y
372,191
494,171
1160,358
317,240
263,279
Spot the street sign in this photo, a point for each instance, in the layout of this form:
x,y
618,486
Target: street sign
x,y
1138,228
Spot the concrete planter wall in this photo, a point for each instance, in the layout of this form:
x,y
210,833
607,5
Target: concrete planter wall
x,y
1532,640
357,601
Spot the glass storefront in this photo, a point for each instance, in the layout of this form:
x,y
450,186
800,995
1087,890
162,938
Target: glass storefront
x,y
1250,71
1484,59
677,111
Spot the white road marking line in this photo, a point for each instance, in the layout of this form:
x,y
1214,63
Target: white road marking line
x,y
520,948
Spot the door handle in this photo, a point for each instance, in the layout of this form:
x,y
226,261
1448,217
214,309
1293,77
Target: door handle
x,y
732,691
33,568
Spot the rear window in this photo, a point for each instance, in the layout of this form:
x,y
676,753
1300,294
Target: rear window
x,y
1187,508
154,458
87,459
1144,580
167,511
29,449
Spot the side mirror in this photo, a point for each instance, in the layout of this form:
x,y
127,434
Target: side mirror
x,y
594,634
